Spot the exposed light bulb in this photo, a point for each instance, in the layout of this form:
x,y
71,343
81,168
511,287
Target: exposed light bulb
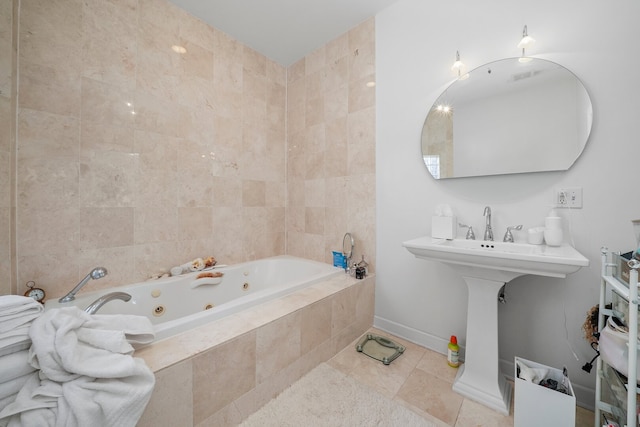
x,y
526,42
457,65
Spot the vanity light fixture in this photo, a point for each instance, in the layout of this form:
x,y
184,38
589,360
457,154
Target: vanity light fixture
x,y
526,42
458,68
458,65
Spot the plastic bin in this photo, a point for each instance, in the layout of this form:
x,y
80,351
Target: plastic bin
x,y
536,405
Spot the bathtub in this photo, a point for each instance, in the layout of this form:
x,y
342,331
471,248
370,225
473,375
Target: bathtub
x,y
177,304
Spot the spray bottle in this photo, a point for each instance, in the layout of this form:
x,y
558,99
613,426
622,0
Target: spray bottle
x,y
453,352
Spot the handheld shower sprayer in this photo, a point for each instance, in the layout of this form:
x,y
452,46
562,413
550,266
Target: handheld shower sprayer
x,y
96,273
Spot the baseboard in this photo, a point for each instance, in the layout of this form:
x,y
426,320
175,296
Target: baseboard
x,y
585,397
421,338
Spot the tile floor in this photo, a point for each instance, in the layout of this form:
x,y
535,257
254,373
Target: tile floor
x,y
421,380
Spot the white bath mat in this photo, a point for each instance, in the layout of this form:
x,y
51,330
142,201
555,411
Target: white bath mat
x,y
327,397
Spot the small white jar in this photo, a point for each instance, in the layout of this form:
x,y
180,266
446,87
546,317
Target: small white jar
x,y
536,235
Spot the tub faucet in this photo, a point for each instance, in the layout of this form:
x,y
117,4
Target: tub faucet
x,y
95,306
488,232
96,273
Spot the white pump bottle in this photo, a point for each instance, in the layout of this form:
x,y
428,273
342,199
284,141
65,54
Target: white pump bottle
x,y
553,234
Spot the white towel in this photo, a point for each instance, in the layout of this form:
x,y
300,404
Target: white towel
x,y
36,404
16,314
70,343
137,330
3,404
12,386
87,369
14,365
15,340
16,310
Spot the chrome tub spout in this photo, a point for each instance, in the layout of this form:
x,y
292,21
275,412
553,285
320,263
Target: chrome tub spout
x,y
95,306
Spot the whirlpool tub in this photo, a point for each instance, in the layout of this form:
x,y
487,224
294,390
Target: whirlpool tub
x,y
224,350
177,304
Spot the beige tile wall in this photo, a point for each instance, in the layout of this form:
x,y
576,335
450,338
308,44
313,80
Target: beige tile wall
x,y
7,129
331,147
137,158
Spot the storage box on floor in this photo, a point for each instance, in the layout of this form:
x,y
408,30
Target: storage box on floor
x,y
536,405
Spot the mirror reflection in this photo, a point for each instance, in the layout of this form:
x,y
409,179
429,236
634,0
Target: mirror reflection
x,y
507,117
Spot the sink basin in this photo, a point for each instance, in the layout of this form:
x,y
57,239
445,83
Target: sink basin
x,y
506,260
486,267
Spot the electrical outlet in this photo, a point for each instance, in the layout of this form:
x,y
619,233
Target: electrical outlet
x,y
569,197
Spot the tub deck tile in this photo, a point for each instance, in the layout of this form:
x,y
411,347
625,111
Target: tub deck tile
x,y
223,374
278,345
240,362
169,351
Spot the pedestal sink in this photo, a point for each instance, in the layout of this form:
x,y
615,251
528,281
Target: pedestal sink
x,y
486,266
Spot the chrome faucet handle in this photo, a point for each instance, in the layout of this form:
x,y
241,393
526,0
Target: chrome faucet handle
x,y
508,237
470,234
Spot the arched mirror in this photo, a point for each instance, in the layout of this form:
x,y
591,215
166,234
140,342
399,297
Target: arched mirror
x,y
507,117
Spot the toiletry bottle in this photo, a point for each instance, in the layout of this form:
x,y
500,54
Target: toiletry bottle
x,y
553,229
453,352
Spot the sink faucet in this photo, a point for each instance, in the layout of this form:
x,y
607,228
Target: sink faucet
x,y
95,306
488,232
470,234
96,273
508,237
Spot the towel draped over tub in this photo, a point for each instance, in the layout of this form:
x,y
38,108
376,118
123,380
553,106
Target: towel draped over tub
x,y
87,375
17,313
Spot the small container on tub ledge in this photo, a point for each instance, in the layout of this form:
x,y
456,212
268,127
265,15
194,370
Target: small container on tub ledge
x,y
361,269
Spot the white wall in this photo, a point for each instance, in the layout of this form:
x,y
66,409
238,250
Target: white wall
x,y
416,43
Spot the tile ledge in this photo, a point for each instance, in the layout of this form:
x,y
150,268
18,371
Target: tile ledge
x,y
172,350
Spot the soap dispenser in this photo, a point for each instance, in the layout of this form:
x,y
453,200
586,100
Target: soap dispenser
x,y
553,235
